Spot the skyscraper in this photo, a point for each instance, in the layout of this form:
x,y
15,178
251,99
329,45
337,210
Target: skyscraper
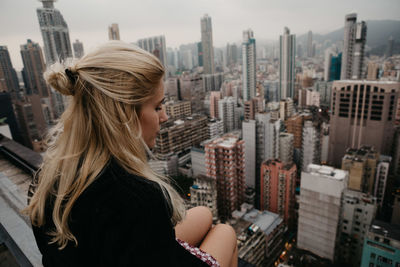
x,y
309,44
36,88
8,76
231,54
389,50
156,46
355,37
113,32
249,65
225,164
363,113
34,67
57,45
78,49
207,44
287,56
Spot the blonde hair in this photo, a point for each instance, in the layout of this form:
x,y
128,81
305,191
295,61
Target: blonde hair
x,y
107,88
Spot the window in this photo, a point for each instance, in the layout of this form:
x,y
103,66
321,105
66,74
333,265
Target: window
x,y
373,255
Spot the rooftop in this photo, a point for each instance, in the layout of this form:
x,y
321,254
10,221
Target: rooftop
x,y
385,229
266,220
327,172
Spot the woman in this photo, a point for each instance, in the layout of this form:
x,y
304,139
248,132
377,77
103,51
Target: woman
x,y
97,201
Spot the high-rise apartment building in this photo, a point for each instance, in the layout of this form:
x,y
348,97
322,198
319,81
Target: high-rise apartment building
x,y
215,128
287,64
358,211
355,37
178,135
250,146
249,65
381,245
203,192
8,76
225,164
78,49
231,54
113,32
382,172
215,96
363,113
207,45
320,208
155,45
277,185
178,109
213,82
311,152
310,52
253,106
190,87
57,45
285,108
286,147
361,164
226,113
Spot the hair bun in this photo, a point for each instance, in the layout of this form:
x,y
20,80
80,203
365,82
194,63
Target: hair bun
x,y
58,78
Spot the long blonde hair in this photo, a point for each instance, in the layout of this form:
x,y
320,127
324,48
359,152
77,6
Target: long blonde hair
x,y
107,88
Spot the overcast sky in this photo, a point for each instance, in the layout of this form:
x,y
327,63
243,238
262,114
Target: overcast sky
x,y
179,20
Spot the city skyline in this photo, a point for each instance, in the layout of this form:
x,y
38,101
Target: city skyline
x,y
267,19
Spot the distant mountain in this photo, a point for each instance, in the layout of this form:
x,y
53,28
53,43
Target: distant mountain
x,y
378,33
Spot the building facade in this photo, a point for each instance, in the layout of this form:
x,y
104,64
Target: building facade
x,y
249,65
225,164
78,49
277,184
363,113
320,207
358,211
113,32
287,64
381,245
355,36
57,45
207,45
157,46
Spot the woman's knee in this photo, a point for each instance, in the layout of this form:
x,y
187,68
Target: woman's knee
x,y
202,212
226,231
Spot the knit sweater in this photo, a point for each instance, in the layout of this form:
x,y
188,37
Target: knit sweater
x,y
119,220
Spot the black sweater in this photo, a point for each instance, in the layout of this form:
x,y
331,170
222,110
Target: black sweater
x,y
119,220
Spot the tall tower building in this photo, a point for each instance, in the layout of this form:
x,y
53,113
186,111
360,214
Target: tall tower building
x,y
277,185
155,45
226,113
286,147
320,209
207,45
225,164
113,32
363,113
355,37
57,45
311,145
34,67
8,76
78,49
36,88
231,54
309,45
389,50
249,65
287,64
215,96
